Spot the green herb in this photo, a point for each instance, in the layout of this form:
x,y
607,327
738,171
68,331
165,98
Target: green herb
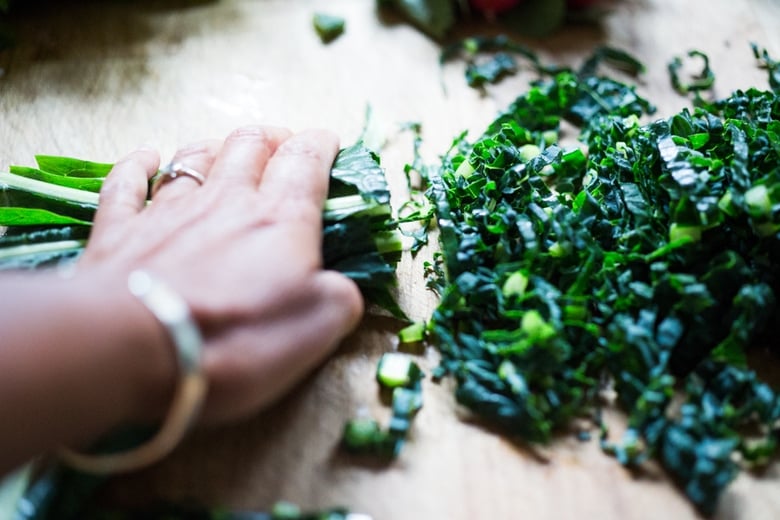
x,y
416,209
395,369
536,17
328,27
616,58
434,17
364,435
700,82
772,66
70,167
652,262
497,62
492,71
25,248
11,216
412,333
91,184
399,374
497,58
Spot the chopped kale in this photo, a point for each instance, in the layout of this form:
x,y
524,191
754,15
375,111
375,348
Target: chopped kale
x,y
651,261
328,27
402,377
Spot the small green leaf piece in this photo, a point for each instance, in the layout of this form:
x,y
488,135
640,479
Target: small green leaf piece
x,y
412,333
396,369
328,27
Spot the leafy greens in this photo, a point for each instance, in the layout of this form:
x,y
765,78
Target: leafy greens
x,y
647,257
48,212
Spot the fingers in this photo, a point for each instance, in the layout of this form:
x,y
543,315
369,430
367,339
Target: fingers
x,y
298,174
199,157
242,160
342,300
123,193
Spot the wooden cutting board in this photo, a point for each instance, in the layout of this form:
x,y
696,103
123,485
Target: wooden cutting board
x,y
97,80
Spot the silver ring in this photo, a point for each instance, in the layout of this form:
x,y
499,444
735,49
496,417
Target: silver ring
x,y
174,171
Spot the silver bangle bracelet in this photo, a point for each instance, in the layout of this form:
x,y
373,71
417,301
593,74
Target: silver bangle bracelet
x,y
173,313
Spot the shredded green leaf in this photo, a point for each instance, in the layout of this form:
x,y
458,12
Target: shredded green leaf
x,y
328,27
650,262
399,374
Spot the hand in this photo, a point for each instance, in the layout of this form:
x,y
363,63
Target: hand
x,y
244,251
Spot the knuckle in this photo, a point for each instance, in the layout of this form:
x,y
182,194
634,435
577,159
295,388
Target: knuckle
x,y
115,187
194,150
342,292
255,134
304,149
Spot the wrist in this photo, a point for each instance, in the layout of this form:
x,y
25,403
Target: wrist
x,y
173,314
87,357
144,358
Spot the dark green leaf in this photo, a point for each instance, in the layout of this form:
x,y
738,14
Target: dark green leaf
x,y
11,216
70,167
328,27
434,17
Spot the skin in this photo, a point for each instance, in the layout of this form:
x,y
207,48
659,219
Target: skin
x,y
80,355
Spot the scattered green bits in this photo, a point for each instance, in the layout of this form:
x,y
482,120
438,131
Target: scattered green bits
x,y
396,369
328,27
413,333
364,435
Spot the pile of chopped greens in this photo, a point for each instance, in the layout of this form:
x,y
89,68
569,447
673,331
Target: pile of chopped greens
x,y
489,59
644,259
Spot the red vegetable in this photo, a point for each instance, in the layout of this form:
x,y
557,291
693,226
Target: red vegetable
x,y
494,6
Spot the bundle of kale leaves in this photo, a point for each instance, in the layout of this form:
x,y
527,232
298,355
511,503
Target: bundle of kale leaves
x,y
46,216
645,259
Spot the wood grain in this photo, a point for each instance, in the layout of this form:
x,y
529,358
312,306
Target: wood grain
x,y
95,80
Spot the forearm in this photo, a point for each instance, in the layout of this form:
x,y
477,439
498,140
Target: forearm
x,y
79,357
